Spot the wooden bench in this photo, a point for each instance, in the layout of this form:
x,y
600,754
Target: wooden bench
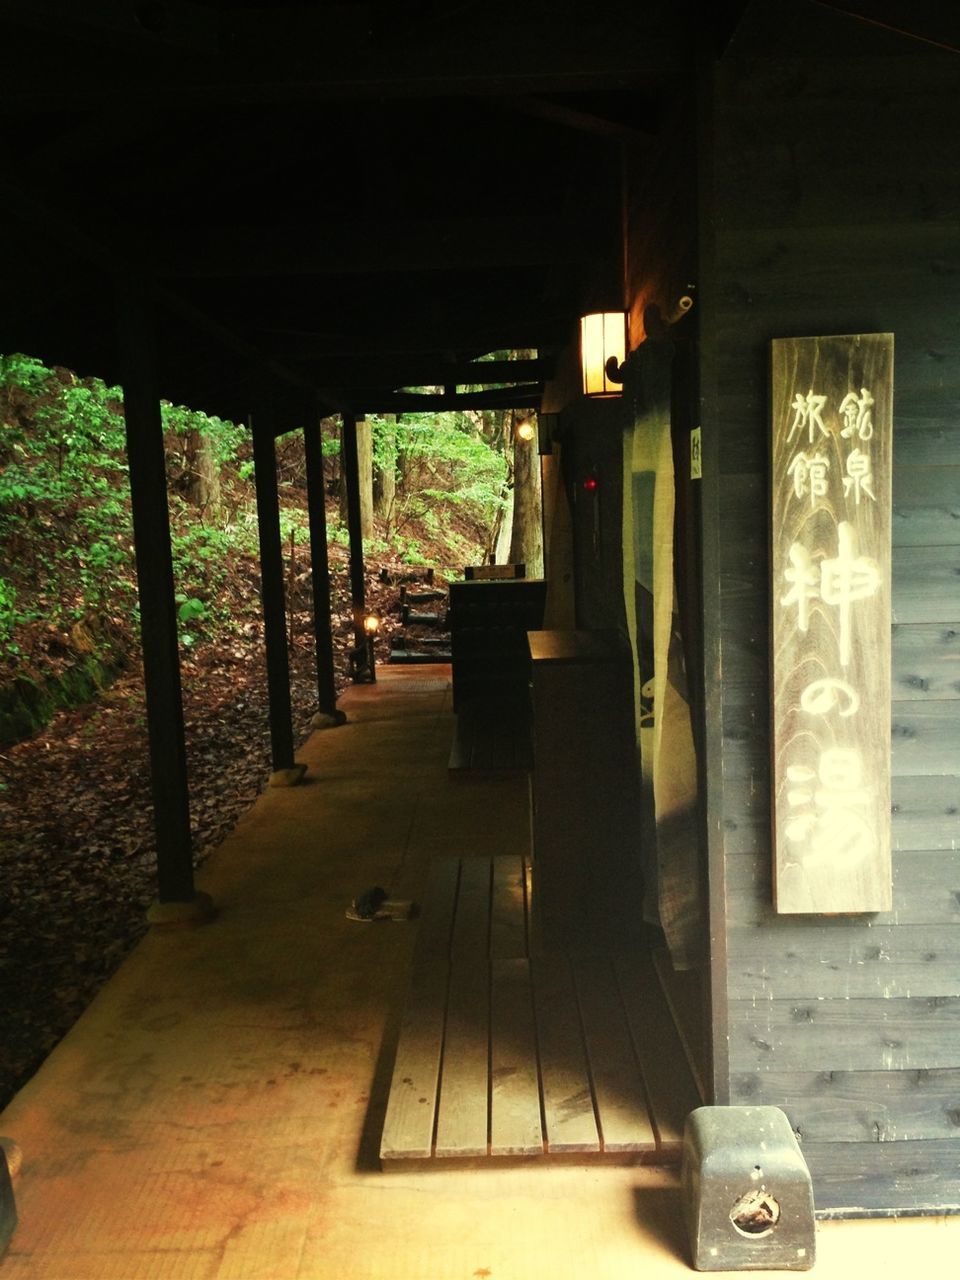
x,y
508,1052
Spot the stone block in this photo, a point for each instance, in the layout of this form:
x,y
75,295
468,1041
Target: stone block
x,y
748,1197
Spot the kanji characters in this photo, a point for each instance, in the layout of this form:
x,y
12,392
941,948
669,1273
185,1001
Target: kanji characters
x,y
856,414
859,475
806,415
809,475
845,579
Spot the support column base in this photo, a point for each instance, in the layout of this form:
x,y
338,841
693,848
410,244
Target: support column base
x,y
165,915
328,719
13,1155
8,1205
287,777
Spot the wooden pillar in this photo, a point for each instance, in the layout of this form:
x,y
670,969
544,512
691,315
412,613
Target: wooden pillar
x,y
177,898
327,713
285,771
351,473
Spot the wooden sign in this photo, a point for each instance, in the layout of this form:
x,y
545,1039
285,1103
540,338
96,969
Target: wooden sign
x,y
832,404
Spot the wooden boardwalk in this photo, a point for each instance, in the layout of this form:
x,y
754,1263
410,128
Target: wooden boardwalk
x,y
511,1052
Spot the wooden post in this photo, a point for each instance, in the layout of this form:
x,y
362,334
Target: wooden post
x,y
351,472
327,713
285,771
177,898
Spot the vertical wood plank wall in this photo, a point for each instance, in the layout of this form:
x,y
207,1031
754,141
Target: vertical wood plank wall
x,y
836,209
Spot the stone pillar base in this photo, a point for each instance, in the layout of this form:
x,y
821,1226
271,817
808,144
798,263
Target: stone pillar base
x,y
14,1155
287,777
328,720
199,910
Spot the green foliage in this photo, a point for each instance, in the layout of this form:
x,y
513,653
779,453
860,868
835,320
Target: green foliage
x,y
8,614
225,438
444,465
65,525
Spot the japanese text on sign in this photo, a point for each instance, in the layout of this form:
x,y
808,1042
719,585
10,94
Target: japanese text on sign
x,y
831,622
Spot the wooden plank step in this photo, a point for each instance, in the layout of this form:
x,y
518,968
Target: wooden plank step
x,y
671,1089
506,1058
508,932
410,657
462,1113
411,1109
514,1079
410,596
471,927
683,995
438,906
569,1117
615,1072
409,618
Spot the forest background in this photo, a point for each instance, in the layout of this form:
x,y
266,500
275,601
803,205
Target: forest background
x,y
77,858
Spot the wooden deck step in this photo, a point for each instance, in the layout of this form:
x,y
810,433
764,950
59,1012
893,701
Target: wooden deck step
x,y
507,1056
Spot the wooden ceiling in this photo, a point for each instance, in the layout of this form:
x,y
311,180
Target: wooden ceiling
x,y
359,197
355,197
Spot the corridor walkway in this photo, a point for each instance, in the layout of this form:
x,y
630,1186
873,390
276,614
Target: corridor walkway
x,y
216,1113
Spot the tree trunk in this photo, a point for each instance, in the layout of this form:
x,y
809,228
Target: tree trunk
x,y
201,474
365,466
526,538
385,474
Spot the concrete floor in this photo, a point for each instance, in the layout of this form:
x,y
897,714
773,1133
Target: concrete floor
x,y
216,1112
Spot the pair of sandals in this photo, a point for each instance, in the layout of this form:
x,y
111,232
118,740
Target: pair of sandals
x,y
373,904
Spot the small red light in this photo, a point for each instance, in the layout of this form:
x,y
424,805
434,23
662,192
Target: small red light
x,y
591,484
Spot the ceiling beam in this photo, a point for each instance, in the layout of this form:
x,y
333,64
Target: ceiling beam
x,y
527,396
379,372
318,54
510,331
122,22
577,118
362,247
76,240
934,24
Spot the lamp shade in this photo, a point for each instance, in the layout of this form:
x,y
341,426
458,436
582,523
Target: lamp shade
x,y
603,336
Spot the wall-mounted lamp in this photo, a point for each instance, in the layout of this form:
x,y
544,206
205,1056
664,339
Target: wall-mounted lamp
x,y
526,430
603,348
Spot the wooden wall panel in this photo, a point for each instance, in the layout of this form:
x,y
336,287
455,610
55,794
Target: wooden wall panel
x,y
840,961
836,210
926,814
885,1178
926,886
859,1106
814,1034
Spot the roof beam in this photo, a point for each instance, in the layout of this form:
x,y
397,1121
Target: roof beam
x,y
577,118
379,372
308,54
359,247
122,22
94,251
527,396
509,331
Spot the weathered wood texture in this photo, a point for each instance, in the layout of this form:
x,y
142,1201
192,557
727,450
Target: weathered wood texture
x,y
835,209
507,1051
831,409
